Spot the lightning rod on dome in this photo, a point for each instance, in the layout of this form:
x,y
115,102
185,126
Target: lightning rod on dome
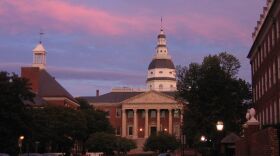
x,y
41,33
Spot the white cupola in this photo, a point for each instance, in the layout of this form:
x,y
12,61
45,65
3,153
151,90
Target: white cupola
x,y
39,56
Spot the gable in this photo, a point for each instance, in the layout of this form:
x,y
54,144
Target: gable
x,y
151,97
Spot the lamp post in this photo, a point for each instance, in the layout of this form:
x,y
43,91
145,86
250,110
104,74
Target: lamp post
x,y
220,128
20,139
220,125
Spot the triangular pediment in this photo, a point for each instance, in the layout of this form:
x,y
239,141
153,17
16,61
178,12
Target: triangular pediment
x,y
151,97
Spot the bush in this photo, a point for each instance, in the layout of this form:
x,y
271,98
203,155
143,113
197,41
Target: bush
x,y
161,142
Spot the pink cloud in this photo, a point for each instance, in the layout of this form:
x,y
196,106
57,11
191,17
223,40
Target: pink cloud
x,y
67,17
63,16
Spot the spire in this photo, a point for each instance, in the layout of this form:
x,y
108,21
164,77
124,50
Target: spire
x,y
161,24
161,48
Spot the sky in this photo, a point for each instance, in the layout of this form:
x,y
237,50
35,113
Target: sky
x,y
101,44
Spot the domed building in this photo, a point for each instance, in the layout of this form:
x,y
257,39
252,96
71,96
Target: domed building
x,y
161,71
139,113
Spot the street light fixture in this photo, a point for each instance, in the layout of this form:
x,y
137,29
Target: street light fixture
x,y
20,139
203,138
220,125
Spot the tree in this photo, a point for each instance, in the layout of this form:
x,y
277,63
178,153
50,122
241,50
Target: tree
x,y
124,145
161,142
101,142
214,93
58,128
13,119
84,105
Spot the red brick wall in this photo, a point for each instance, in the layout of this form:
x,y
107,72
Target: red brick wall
x,y
261,143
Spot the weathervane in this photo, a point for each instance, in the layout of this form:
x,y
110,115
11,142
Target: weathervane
x,y
41,35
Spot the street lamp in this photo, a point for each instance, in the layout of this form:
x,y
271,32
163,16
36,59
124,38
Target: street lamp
x,y
20,139
203,138
220,125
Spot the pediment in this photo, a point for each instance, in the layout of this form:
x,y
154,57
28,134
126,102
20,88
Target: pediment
x,y
151,97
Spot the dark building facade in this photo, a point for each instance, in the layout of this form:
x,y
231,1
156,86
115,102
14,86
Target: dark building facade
x,y
264,58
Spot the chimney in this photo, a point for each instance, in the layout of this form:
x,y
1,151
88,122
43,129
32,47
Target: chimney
x,y
97,92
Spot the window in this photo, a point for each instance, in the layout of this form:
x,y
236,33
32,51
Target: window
x,y
151,86
143,113
153,114
272,36
118,131
268,43
176,113
107,111
160,72
160,86
266,116
278,67
171,86
274,71
118,112
152,72
130,114
162,114
270,112
130,130
170,72
275,112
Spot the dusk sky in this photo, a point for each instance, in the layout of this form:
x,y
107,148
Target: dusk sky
x,y
100,44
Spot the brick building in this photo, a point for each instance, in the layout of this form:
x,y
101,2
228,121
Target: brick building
x,y
138,113
46,88
264,58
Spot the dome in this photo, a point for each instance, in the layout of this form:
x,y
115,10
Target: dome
x,y
161,63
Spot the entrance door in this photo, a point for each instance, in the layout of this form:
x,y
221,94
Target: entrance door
x,y
153,130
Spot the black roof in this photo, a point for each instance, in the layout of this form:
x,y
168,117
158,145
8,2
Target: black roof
x,y
161,63
161,36
116,97
161,78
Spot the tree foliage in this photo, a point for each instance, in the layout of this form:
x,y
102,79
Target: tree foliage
x,y
214,93
54,128
13,119
108,143
161,142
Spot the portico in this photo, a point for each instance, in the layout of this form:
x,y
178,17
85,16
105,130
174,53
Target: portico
x,y
149,113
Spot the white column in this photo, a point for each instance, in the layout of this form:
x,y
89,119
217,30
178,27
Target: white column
x,y
123,123
170,119
158,120
146,123
135,129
